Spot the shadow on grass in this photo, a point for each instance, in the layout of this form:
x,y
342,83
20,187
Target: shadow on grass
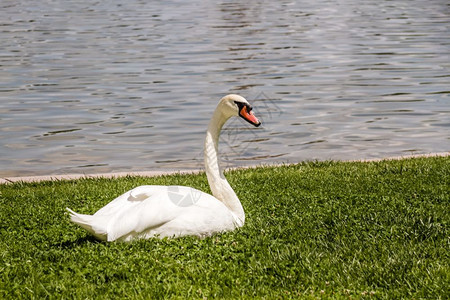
x,y
78,242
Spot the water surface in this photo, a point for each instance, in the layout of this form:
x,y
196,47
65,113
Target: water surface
x,y
129,85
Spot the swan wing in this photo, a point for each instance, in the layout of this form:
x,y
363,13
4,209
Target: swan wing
x,y
149,208
130,198
98,223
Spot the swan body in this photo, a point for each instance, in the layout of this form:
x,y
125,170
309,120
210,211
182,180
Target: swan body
x,y
173,211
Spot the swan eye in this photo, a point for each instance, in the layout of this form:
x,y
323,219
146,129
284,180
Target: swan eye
x,y
241,105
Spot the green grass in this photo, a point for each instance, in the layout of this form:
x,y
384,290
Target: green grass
x,y
314,230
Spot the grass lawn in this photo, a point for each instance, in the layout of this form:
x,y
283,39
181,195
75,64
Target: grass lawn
x,y
313,230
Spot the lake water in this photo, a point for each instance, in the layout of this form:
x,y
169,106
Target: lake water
x,y
100,86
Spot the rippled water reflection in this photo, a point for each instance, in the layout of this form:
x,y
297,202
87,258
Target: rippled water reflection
x,y
128,85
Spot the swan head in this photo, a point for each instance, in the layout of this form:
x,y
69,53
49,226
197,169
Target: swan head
x,y
235,105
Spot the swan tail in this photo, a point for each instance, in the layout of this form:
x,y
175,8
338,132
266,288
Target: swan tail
x,y
88,222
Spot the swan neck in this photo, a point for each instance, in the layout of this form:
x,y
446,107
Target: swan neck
x,y
219,185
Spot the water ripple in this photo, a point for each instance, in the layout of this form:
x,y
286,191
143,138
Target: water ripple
x,y
126,86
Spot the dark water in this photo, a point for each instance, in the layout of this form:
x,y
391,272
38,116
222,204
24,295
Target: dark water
x,y
105,86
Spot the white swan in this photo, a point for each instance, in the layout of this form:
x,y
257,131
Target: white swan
x,y
173,211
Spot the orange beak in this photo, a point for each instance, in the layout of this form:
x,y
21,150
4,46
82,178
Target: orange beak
x,y
249,116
